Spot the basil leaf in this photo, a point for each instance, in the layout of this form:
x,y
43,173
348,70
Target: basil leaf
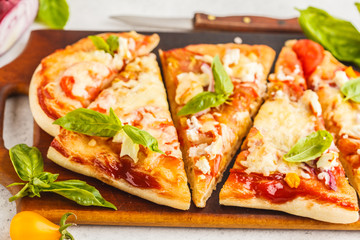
x,y
351,90
100,43
80,192
357,6
223,83
309,147
340,37
48,177
113,43
27,161
90,122
142,137
201,102
53,13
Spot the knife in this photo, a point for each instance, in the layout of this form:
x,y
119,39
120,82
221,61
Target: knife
x,y
203,21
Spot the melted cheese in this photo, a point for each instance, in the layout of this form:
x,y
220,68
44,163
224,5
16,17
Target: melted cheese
x,y
327,161
281,124
125,45
251,71
86,74
190,84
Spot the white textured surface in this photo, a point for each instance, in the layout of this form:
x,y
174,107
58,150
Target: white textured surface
x,y
94,15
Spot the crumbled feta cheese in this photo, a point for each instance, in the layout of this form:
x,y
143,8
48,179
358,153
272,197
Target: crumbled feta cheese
x,y
193,132
203,165
232,56
305,175
92,143
324,175
251,72
197,150
282,77
340,78
124,48
312,98
237,40
128,147
215,147
327,161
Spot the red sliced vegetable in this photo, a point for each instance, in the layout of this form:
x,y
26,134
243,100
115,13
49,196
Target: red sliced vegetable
x,y
15,17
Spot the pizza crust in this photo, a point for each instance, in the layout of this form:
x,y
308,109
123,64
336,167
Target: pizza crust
x,y
40,117
147,194
300,206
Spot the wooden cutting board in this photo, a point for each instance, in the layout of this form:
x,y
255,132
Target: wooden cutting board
x,y
14,79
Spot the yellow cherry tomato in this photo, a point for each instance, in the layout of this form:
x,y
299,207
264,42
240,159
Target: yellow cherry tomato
x,y
32,226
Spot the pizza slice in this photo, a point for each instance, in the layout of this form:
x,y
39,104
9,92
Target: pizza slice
x,y
288,162
231,79
117,160
71,78
337,87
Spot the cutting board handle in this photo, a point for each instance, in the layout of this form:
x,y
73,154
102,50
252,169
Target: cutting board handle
x,y
246,23
12,82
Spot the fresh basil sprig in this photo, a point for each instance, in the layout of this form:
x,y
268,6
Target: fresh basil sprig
x,y
309,147
223,89
93,123
111,44
340,37
29,166
351,90
55,14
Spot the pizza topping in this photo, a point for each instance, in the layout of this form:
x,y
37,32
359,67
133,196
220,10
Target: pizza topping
x,y
309,53
351,73
203,165
103,102
312,98
190,85
340,78
309,147
204,58
92,143
204,100
324,176
128,147
92,123
84,79
251,71
231,57
351,90
327,161
125,45
193,132
292,179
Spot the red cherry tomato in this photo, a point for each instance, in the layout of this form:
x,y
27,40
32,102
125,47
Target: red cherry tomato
x,y
310,54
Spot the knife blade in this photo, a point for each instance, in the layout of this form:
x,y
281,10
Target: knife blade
x,y
202,21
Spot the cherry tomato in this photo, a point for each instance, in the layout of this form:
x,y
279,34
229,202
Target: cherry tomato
x,y
32,226
310,54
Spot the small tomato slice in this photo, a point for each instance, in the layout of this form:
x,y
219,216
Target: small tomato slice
x,y
310,54
32,226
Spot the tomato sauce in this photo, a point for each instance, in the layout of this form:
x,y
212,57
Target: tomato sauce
x,y
274,189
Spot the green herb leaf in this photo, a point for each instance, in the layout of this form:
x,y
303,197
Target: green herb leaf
x,y
80,192
27,161
351,90
54,13
309,147
223,83
142,137
357,6
111,44
340,37
90,122
201,102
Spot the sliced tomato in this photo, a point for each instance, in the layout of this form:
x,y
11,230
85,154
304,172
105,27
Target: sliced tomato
x,y
310,54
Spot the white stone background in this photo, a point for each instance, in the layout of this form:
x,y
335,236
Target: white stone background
x,y
94,15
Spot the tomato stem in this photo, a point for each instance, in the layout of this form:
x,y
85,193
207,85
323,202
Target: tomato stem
x,y
65,235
